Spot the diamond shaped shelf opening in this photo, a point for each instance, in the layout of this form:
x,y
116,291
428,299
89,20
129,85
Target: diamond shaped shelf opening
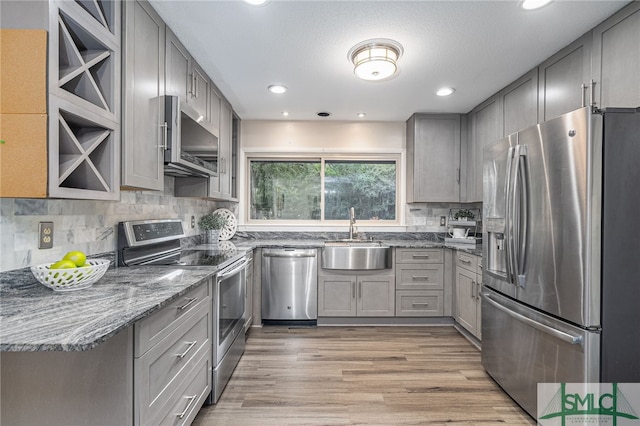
x,y
102,11
85,64
85,153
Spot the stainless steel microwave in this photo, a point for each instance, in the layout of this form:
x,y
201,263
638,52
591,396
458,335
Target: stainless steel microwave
x,y
190,142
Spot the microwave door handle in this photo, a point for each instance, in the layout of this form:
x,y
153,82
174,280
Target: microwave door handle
x,y
165,130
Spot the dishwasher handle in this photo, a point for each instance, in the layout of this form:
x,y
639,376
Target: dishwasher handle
x,y
290,254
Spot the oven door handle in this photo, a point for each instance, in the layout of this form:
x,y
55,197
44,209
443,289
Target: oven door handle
x,y
227,274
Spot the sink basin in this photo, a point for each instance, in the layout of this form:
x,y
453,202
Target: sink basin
x,y
353,243
355,255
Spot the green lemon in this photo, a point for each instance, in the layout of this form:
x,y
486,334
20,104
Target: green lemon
x,y
63,264
77,257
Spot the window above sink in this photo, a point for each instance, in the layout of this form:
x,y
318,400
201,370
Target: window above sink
x,y
319,190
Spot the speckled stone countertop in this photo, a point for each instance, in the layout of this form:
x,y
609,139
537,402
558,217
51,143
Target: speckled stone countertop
x,y
36,318
315,243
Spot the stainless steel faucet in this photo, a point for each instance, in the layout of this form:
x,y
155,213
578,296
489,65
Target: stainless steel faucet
x,y
353,231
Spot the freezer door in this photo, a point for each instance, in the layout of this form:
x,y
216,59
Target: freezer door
x,y
522,347
554,200
495,170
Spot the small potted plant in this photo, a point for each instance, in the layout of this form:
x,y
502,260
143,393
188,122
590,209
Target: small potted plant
x,y
211,224
463,214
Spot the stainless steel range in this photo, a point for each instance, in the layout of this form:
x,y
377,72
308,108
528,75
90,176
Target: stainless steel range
x,y
157,243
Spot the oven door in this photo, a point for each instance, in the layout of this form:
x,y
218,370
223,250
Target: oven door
x,y
229,307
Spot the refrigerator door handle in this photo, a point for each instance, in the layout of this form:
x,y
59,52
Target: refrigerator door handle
x,y
508,228
519,210
565,337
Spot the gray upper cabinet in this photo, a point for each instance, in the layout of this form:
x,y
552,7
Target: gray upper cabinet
x,y
485,129
562,77
144,44
83,94
433,158
616,59
177,79
185,78
225,150
519,104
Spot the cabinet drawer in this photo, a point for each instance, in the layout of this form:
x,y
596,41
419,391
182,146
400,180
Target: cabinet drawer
x,y
419,303
420,277
154,328
467,261
404,255
188,396
159,371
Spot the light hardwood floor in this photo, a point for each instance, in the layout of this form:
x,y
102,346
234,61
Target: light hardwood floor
x,y
361,376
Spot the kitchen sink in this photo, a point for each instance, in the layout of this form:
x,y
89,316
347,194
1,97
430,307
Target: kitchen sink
x,y
355,255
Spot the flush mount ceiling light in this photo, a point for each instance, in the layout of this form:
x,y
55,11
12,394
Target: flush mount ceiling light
x,y
257,2
375,59
361,114
277,89
534,4
445,91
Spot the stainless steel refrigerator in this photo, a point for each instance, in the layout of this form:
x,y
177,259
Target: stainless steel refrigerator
x,y
561,278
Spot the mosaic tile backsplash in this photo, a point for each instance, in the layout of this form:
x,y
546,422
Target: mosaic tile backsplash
x,y
87,225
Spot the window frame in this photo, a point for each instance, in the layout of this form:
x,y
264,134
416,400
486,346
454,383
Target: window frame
x,y
322,158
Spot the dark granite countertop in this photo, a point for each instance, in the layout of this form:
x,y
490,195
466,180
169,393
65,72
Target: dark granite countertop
x,y
36,318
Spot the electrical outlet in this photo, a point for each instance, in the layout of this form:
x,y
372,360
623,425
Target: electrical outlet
x,y
193,222
45,232
443,220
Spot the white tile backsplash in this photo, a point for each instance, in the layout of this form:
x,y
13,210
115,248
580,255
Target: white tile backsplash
x,y
87,225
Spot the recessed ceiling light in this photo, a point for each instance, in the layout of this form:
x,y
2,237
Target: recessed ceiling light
x,y
277,88
534,4
285,114
257,2
324,114
361,114
445,91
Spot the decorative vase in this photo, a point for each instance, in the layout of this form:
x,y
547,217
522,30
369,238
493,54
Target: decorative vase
x,y
212,236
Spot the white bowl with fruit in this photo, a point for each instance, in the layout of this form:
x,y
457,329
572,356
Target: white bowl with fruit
x,y
73,272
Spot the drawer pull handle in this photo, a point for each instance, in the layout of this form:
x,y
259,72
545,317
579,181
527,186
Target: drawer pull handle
x,y
420,277
186,409
464,260
186,305
191,346
420,256
420,304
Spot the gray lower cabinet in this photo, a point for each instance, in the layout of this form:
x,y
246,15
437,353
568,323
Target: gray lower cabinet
x,y
433,158
172,379
356,295
143,84
468,284
562,77
156,372
172,364
616,59
419,282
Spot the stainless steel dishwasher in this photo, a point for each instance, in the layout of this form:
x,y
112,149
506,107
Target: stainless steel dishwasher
x,y
289,284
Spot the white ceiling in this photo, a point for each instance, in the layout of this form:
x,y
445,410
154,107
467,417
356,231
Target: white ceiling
x,y
478,47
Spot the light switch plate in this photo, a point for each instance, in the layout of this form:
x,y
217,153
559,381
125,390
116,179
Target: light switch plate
x,y
45,233
443,220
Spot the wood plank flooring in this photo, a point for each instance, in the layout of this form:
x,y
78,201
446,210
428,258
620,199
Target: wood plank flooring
x,y
361,376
